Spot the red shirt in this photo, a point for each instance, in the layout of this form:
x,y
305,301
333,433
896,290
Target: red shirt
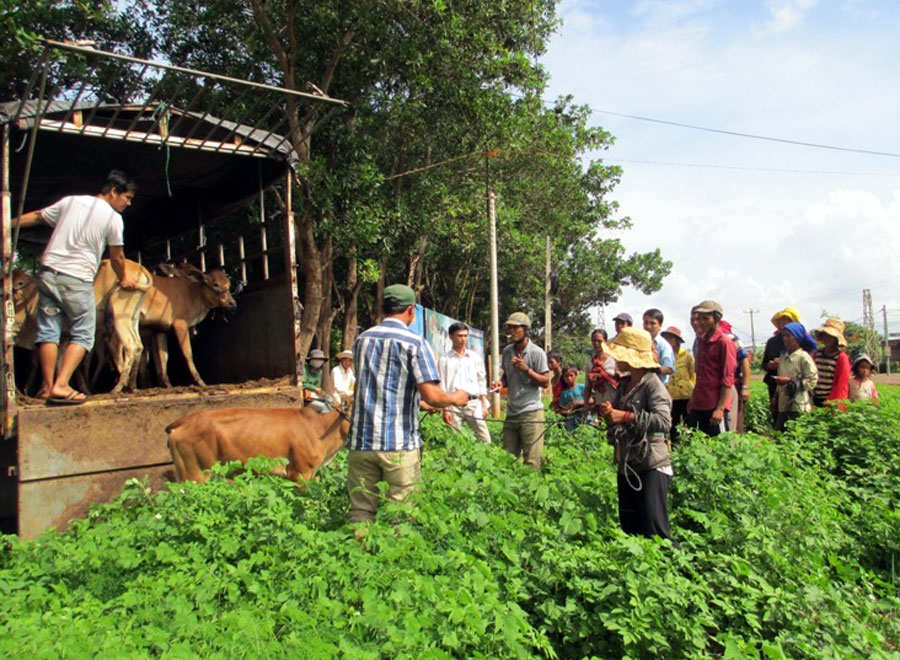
x,y
716,364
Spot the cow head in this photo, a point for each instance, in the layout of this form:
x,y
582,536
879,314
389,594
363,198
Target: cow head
x,y
217,289
24,287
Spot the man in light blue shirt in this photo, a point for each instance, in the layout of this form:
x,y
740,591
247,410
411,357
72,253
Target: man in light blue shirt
x,y
653,321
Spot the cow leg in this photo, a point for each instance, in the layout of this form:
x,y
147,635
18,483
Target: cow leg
x,y
186,466
183,334
161,357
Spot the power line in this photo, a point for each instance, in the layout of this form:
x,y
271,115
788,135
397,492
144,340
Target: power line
x,y
748,167
748,135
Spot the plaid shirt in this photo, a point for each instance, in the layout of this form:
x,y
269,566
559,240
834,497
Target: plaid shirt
x,y
390,361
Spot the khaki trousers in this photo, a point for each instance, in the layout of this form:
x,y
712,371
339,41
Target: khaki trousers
x,y
471,416
523,435
402,470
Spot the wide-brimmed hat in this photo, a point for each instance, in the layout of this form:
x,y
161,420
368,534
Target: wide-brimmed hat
x,y
316,354
863,358
672,331
633,346
518,318
624,317
835,328
790,312
344,354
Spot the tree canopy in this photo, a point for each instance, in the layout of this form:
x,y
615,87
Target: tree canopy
x,y
445,102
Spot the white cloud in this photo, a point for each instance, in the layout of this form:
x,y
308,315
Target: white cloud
x,y
787,14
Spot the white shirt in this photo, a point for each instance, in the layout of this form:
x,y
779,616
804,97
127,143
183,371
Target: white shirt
x,y
83,226
343,380
463,372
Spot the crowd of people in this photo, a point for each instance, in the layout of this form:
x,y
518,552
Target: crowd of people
x,y
644,382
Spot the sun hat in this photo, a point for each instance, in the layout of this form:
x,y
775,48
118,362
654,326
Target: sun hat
x,y
790,312
316,354
518,318
708,307
344,354
400,295
674,332
624,317
835,328
863,358
633,346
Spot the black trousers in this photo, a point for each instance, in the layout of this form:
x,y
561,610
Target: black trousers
x,y
699,419
679,415
644,512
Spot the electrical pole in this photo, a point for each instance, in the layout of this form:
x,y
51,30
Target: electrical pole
x,y
751,312
548,321
495,303
887,345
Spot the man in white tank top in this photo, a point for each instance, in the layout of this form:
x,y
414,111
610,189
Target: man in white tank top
x,y
83,226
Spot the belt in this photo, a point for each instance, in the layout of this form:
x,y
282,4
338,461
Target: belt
x,y
59,272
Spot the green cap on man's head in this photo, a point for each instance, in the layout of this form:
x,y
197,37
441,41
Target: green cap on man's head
x,y
399,295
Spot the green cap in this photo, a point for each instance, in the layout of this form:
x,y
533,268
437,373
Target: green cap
x,y
518,318
399,295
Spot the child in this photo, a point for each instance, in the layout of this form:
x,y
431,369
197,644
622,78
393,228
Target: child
x,y
571,399
861,387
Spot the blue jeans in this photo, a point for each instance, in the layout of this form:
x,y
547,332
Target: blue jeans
x,y
64,298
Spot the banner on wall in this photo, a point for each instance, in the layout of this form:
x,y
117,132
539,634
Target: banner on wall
x,y
437,333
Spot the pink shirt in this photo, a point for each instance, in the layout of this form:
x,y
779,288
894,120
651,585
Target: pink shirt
x,y
716,364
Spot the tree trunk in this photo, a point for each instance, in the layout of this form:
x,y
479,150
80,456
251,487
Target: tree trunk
x,y
350,326
312,274
377,313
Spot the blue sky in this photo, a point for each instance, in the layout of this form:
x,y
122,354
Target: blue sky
x,y
750,223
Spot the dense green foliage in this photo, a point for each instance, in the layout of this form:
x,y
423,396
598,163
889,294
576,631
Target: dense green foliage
x,y
788,549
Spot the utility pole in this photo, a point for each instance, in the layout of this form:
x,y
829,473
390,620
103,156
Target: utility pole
x,y
887,345
548,321
751,312
495,303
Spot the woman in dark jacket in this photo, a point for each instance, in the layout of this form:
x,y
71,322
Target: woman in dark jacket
x,y
639,417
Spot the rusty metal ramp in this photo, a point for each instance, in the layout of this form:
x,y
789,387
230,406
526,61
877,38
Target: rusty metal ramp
x,y
73,456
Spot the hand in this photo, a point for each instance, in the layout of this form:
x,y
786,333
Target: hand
x,y
448,417
745,394
484,409
460,398
128,283
616,416
519,363
782,380
717,416
605,409
772,364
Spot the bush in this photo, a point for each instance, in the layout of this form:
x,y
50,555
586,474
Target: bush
x,y
489,560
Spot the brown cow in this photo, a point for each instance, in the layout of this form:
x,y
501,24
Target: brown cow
x,y
106,289
179,300
306,438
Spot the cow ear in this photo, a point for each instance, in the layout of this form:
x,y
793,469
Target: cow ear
x,y
167,270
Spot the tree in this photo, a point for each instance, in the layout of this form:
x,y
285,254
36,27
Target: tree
x,y
24,23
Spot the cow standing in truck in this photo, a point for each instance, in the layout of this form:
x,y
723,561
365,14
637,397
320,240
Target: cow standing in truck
x,y
83,226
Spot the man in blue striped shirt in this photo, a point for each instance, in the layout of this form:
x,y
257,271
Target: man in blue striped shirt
x,y
395,370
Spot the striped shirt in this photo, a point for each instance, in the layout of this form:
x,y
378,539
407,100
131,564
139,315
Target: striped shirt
x,y
390,362
834,377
